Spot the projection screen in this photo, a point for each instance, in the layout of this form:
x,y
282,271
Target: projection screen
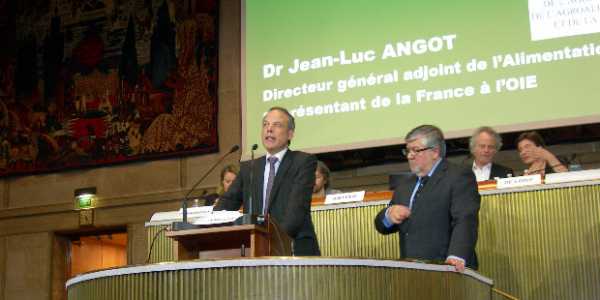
x,y
358,73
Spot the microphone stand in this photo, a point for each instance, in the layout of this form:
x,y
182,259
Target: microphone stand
x,y
184,223
249,217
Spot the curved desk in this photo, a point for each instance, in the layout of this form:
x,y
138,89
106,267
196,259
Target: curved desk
x,y
281,278
536,242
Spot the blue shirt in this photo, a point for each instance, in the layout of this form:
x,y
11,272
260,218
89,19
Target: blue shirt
x,y
386,221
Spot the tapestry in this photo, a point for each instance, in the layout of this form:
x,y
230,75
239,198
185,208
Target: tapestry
x,y
94,82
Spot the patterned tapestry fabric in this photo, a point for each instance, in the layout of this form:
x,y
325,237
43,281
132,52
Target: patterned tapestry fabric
x,y
102,82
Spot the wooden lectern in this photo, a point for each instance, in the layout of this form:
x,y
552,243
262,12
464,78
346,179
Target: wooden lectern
x,y
231,242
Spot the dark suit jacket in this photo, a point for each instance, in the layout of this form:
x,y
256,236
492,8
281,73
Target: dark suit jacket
x,y
444,218
290,197
500,171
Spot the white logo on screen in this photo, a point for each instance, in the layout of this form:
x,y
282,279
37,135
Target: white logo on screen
x,y
549,19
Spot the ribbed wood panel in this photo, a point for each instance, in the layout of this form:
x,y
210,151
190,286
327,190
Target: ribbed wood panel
x,y
284,282
542,244
163,246
350,232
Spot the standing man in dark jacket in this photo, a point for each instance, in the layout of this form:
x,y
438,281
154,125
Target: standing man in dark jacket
x,y
283,183
435,210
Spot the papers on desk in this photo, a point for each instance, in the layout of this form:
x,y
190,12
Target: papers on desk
x,y
202,215
197,210
216,217
164,217
572,176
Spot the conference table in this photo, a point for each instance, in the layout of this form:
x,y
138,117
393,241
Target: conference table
x,y
535,242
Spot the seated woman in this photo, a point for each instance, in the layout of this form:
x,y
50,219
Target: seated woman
x,y
533,153
228,175
322,181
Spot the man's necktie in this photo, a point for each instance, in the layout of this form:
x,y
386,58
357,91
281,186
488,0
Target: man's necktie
x,y
272,161
422,182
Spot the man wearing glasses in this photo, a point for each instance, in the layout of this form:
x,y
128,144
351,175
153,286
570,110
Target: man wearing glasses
x,y
435,209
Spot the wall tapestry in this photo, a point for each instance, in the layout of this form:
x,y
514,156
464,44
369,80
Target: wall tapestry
x,y
97,82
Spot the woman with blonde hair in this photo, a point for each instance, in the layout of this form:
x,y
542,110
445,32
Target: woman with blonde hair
x,y
228,175
322,181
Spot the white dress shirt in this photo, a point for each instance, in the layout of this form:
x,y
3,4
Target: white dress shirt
x,y
482,173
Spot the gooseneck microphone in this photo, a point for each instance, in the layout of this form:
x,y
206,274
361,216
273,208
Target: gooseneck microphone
x,y
184,223
251,201
249,216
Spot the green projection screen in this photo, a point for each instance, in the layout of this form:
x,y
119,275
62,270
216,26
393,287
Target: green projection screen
x,y
361,73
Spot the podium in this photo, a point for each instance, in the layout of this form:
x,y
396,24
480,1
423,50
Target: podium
x,y
232,241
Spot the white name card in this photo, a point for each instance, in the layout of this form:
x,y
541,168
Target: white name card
x,y
345,197
511,182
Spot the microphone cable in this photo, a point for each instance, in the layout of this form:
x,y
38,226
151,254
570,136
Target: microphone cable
x,y
164,227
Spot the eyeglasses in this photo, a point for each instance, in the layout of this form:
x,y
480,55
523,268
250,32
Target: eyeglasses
x,y
407,152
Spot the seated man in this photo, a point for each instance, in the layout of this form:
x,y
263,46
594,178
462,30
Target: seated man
x,y
484,144
435,210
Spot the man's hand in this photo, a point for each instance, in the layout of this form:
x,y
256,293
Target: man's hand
x,y
398,213
457,263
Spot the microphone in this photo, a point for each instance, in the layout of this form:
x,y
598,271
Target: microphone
x,y
184,223
250,204
249,217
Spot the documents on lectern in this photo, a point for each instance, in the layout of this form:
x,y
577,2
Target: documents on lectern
x,y
202,215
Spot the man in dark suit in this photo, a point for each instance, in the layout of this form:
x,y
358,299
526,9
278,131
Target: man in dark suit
x,y
484,144
283,183
435,210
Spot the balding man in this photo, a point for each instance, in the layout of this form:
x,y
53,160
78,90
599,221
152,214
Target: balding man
x,y
283,183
